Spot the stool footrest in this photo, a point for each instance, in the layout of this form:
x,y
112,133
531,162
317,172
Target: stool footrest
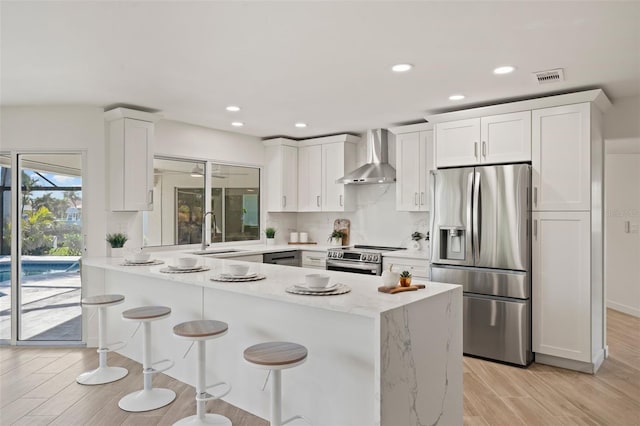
x,y
205,396
111,347
159,370
290,419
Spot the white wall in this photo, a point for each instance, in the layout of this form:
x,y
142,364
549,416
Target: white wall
x,y
622,204
41,129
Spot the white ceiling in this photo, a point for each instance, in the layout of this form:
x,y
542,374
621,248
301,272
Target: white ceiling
x,y
324,63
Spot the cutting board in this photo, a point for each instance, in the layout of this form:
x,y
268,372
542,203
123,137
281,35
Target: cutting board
x,y
399,289
343,225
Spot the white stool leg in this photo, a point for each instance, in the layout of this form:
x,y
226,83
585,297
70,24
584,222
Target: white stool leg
x,y
276,398
148,398
104,373
202,417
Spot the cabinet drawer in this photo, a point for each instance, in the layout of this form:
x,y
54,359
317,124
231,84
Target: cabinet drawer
x,y
312,259
418,268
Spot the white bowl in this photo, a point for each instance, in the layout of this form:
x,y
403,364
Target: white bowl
x,y
238,269
390,279
187,262
316,280
139,257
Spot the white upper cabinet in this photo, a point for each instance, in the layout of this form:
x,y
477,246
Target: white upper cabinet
x,y
414,161
310,178
457,143
281,170
321,161
561,145
503,138
337,160
131,149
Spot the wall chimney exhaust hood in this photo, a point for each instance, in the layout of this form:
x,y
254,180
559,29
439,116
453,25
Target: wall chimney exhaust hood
x,y
377,168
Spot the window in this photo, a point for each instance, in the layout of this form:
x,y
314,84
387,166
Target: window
x,y
179,190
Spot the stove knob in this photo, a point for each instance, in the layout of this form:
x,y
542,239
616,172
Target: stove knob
x,y
370,257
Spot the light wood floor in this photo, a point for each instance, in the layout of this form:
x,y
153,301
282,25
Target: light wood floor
x,y
37,386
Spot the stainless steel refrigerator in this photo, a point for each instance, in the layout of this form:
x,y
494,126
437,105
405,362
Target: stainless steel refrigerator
x,y
480,238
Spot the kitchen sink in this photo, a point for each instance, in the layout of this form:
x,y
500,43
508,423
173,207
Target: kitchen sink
x,y
220,251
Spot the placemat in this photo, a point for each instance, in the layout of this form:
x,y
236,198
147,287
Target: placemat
x,y
187,271
342,289
237,279
154,262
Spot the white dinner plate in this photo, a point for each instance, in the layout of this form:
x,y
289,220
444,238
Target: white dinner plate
x,y
303,287
251,275
184,268
139,262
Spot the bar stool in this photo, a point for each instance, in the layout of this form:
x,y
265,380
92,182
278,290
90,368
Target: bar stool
x,y
148,398
104,373
200,331
276,356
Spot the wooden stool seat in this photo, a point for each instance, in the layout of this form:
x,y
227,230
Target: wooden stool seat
x,y
275,353
102,299
200,328
146,313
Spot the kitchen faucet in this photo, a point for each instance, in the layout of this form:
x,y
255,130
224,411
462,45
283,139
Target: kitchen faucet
x,y
204,229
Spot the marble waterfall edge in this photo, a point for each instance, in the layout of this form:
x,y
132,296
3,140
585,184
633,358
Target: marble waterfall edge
x,y
420,364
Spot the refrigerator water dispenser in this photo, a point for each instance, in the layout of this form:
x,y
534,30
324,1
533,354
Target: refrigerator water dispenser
x,y
452,243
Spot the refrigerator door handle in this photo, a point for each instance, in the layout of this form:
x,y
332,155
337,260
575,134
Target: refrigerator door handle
x,y
476,221
470,213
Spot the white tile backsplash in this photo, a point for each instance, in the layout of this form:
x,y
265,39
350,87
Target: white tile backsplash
x,y
375,220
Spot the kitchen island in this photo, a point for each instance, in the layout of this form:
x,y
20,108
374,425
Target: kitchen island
x,y
374,358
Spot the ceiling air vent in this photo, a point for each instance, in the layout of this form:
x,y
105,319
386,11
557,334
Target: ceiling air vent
x,y
549,76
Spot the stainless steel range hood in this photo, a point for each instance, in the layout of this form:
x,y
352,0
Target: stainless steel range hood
x,y
377,169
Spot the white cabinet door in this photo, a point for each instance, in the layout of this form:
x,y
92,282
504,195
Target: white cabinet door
x,y
414,161
561,156
561,284
131,165
457,143
309,178
418,268
409,165
314,259
333,167
426,166
281,170
506,138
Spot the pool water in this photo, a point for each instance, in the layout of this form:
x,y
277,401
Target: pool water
x,y
38,268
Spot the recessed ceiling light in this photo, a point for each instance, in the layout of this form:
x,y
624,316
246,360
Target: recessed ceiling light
x,y
233,108
401,67
504,70
237,124
301,125
456,97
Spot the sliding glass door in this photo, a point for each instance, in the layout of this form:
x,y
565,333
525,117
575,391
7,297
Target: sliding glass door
x,y
50,246
5,248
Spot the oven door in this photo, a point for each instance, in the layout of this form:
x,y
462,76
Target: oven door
x,y
354,267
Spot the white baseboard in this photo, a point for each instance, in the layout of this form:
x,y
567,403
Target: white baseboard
x,y
629,310
570,364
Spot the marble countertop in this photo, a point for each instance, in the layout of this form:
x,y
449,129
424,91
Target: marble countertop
x,y
408,254
364,298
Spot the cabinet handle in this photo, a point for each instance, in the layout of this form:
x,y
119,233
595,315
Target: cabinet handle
x,y
535,229
341,202
318,200
284,201
484,149
415,198
475,149
422,198
150,197
314,258
535,196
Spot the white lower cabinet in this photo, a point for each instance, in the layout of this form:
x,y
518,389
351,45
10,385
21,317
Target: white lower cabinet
x,y
561,287
419,268
256,258
314,259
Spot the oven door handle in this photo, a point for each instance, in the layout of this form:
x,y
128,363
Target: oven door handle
x,y
352,265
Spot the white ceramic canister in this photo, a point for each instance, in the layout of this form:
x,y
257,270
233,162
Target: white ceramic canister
x,y
293,237
304,237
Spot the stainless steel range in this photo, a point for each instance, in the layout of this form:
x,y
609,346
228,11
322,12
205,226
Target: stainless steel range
x,y
360,259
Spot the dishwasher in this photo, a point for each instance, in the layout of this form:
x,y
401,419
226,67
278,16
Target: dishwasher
x,y
288,258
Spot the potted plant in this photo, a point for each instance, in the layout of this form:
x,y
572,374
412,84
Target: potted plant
x,y
271,235
405,279
336,237
116,243
416,237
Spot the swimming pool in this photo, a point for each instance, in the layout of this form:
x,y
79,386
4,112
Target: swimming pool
x,y
30,268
